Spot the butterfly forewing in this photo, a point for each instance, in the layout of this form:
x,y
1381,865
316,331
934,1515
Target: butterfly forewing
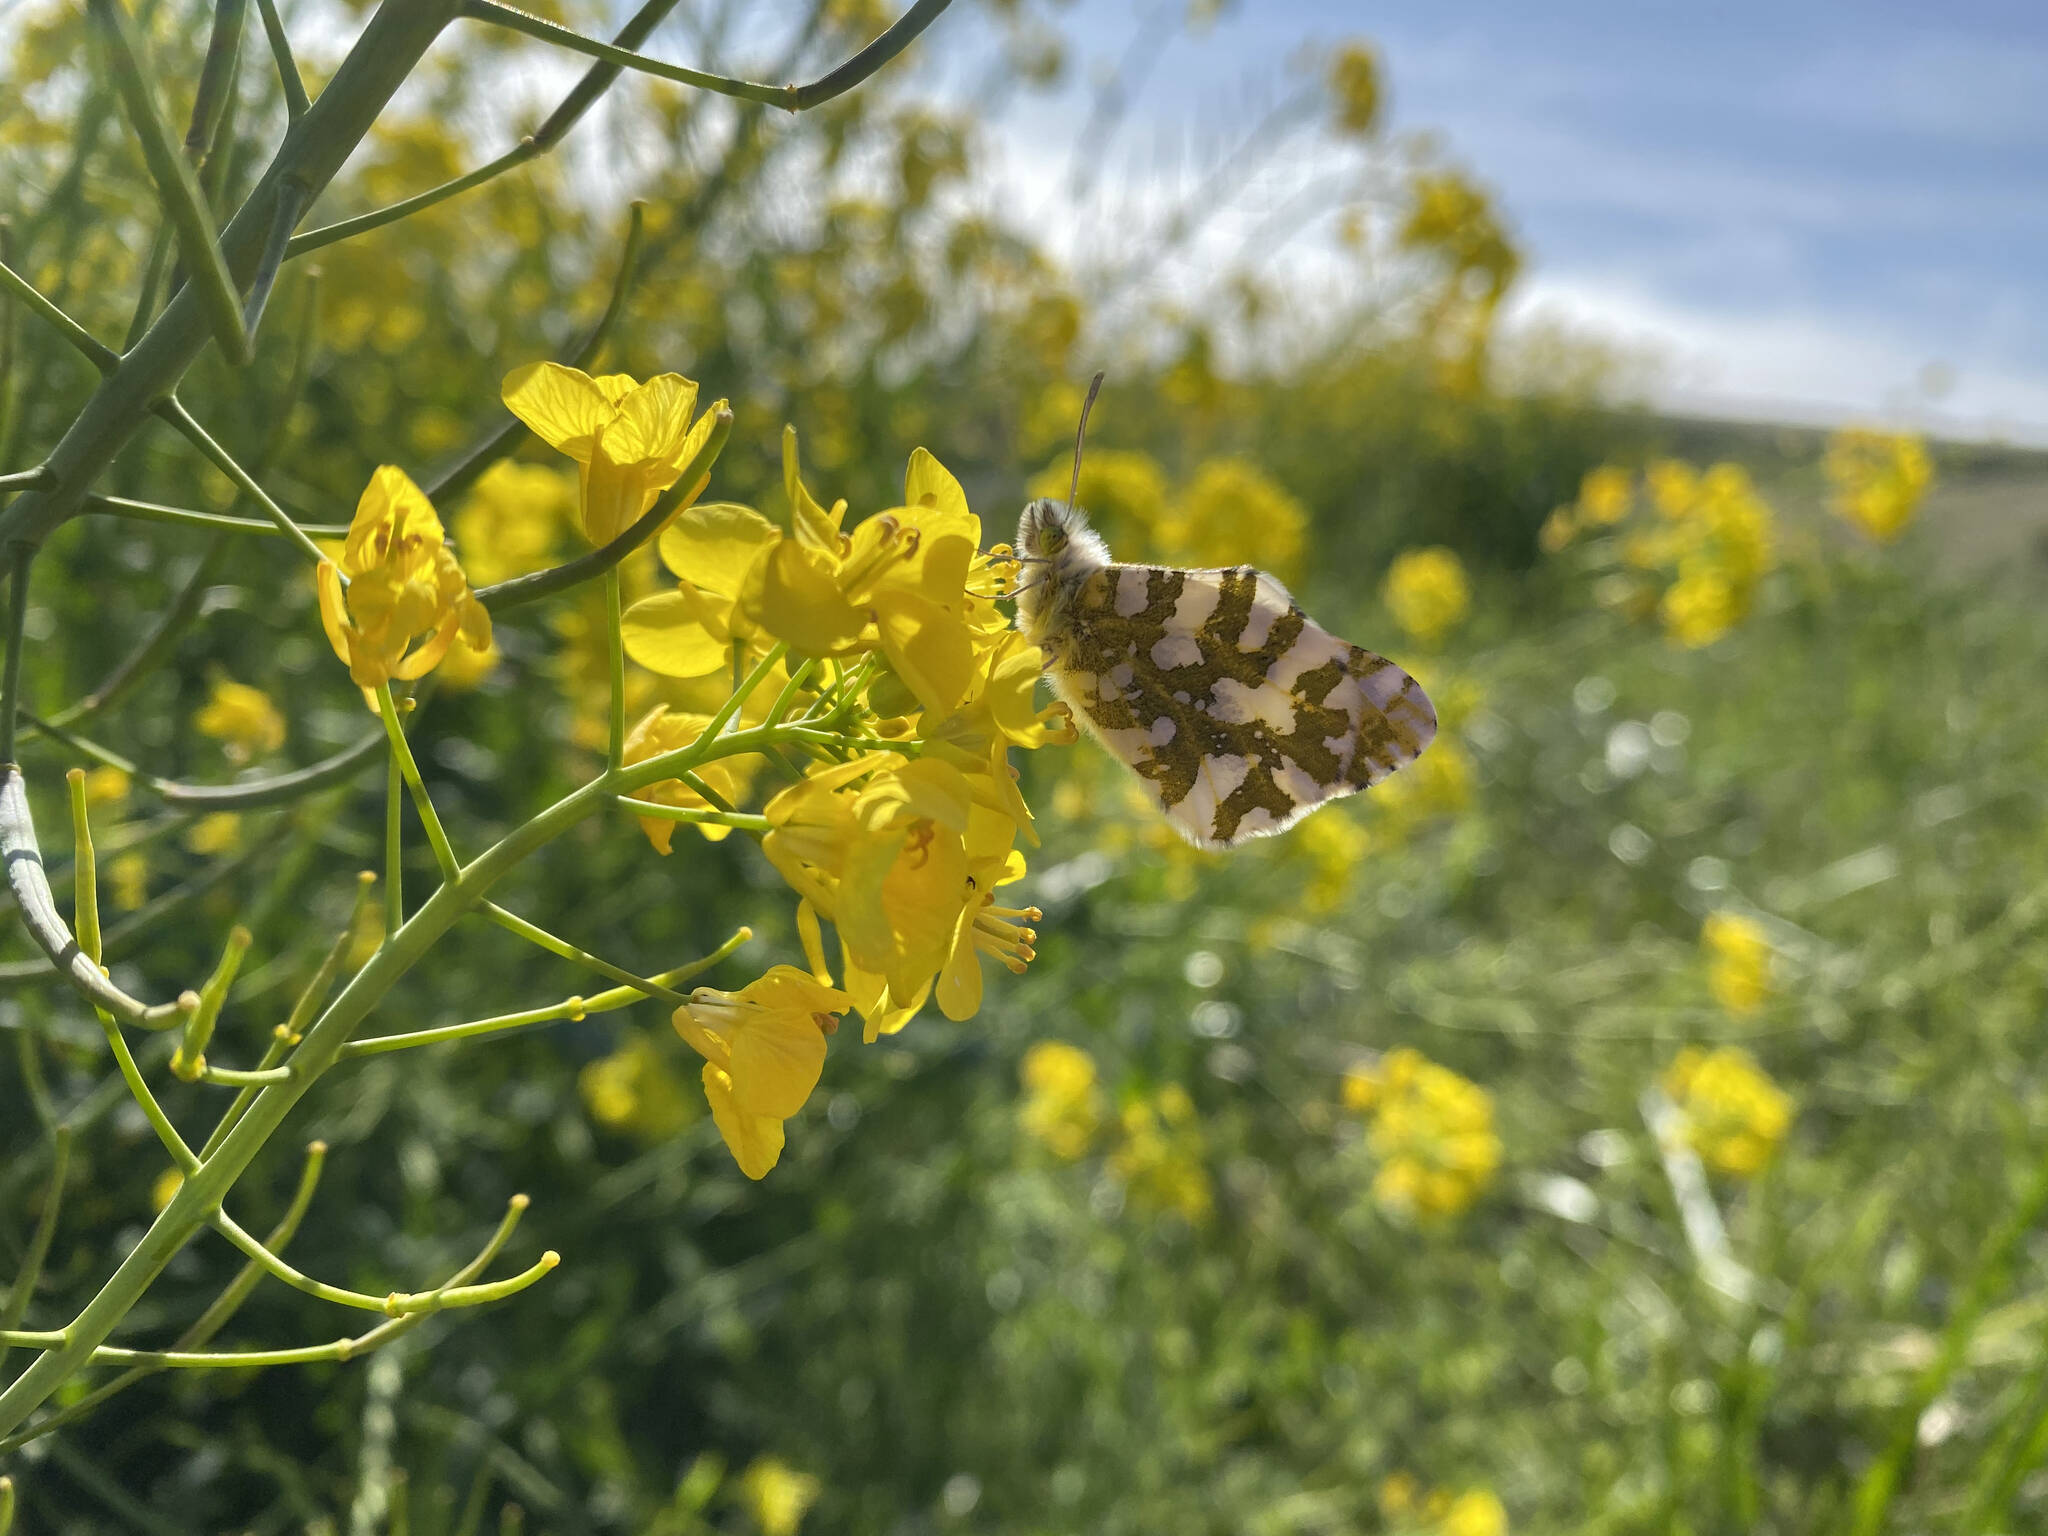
x,y
1238,711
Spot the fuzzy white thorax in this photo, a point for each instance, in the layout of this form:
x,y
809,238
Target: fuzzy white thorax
x,y
1061,552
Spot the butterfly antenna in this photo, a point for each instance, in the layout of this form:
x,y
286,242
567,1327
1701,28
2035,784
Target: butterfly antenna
x,y
1081,435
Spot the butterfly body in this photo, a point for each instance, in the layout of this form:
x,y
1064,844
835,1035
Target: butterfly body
x,y
1237,710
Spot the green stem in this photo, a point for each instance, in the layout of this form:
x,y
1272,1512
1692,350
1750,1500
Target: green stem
x,y
30,1274
394,849
23,478
85,896
295,102
138,1088
533,933
155,512
745,821
615,756
97,352
17,638
568,1008
401,753
189,1061
209,1183
212,1320
177,188
182,419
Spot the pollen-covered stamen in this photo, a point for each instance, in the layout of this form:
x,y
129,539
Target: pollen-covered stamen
x,y
1058,720
1000,933
917,846
828,1022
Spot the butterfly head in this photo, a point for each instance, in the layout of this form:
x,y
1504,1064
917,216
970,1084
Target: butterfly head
x,y
1059,551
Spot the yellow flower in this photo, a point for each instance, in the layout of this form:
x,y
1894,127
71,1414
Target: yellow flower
x,y
1428,593
106,786
1355,89
1476,1512
690,632
166,1187
1558,530
1334,844
1431,1130
510,522
1877,479
1738,961
631,441
633,1091
778,1496
1160,1156
662,731
763,1050
403,583
1700,607
1734,1116
466,665
1439,783
215,832
130,875
1062,1106
243,717
1673,485
1606,495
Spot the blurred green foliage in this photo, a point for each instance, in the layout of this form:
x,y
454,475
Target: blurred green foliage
x,y
1205,1321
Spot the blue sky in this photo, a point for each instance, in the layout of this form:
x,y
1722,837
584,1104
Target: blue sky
x,y
1814,209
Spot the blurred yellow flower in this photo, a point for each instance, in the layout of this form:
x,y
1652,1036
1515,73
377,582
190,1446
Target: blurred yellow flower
x,y
1123,491
1877,479
241,717
1606,495
1412,1512
1428,593
631,441
1699,608
1159,1158
466,665
509,524
1734,1116
777,1495
403,583
1738,961
1062,1105
1334,844
763,1050
106,786
1673,485
129,873
216,832
167,1185
1354,81
1439,783
633,1091
1431,1130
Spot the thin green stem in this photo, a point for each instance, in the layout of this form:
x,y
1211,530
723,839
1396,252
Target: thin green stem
x,y
221,522
23,478
743,820
568,1008
17,631
295,102
189,1061
344,229
747,685
615,755
401,754
176,414
152,1111
793,98
216,76
779,710
291,204
702,786
235,1077
278,1269
97,352
177,188
394,849
85,896
533,933
30,1274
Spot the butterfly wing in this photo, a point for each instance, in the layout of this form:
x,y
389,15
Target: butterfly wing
x,y
1239,712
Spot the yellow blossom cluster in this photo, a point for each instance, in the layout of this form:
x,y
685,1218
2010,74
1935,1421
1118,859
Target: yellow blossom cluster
x,y
1354,84
1159,1158
1431,1130
1127,495
1062,1106
1427,592
1693,546
241,717
394,582
1730,1111
1411,1510
1738,961
777,1495
1877,479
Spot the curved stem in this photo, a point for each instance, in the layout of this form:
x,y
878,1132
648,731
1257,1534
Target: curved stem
x,y
401,754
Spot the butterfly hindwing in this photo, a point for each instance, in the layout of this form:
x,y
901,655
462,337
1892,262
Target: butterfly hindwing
x,y
1238,711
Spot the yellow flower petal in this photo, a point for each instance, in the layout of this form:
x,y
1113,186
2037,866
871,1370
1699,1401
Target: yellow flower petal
x,y
928,483
715,544
792,594
684,633
755,1140
564,406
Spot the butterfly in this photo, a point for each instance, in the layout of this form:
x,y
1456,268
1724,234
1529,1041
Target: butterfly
x,y
1238,712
